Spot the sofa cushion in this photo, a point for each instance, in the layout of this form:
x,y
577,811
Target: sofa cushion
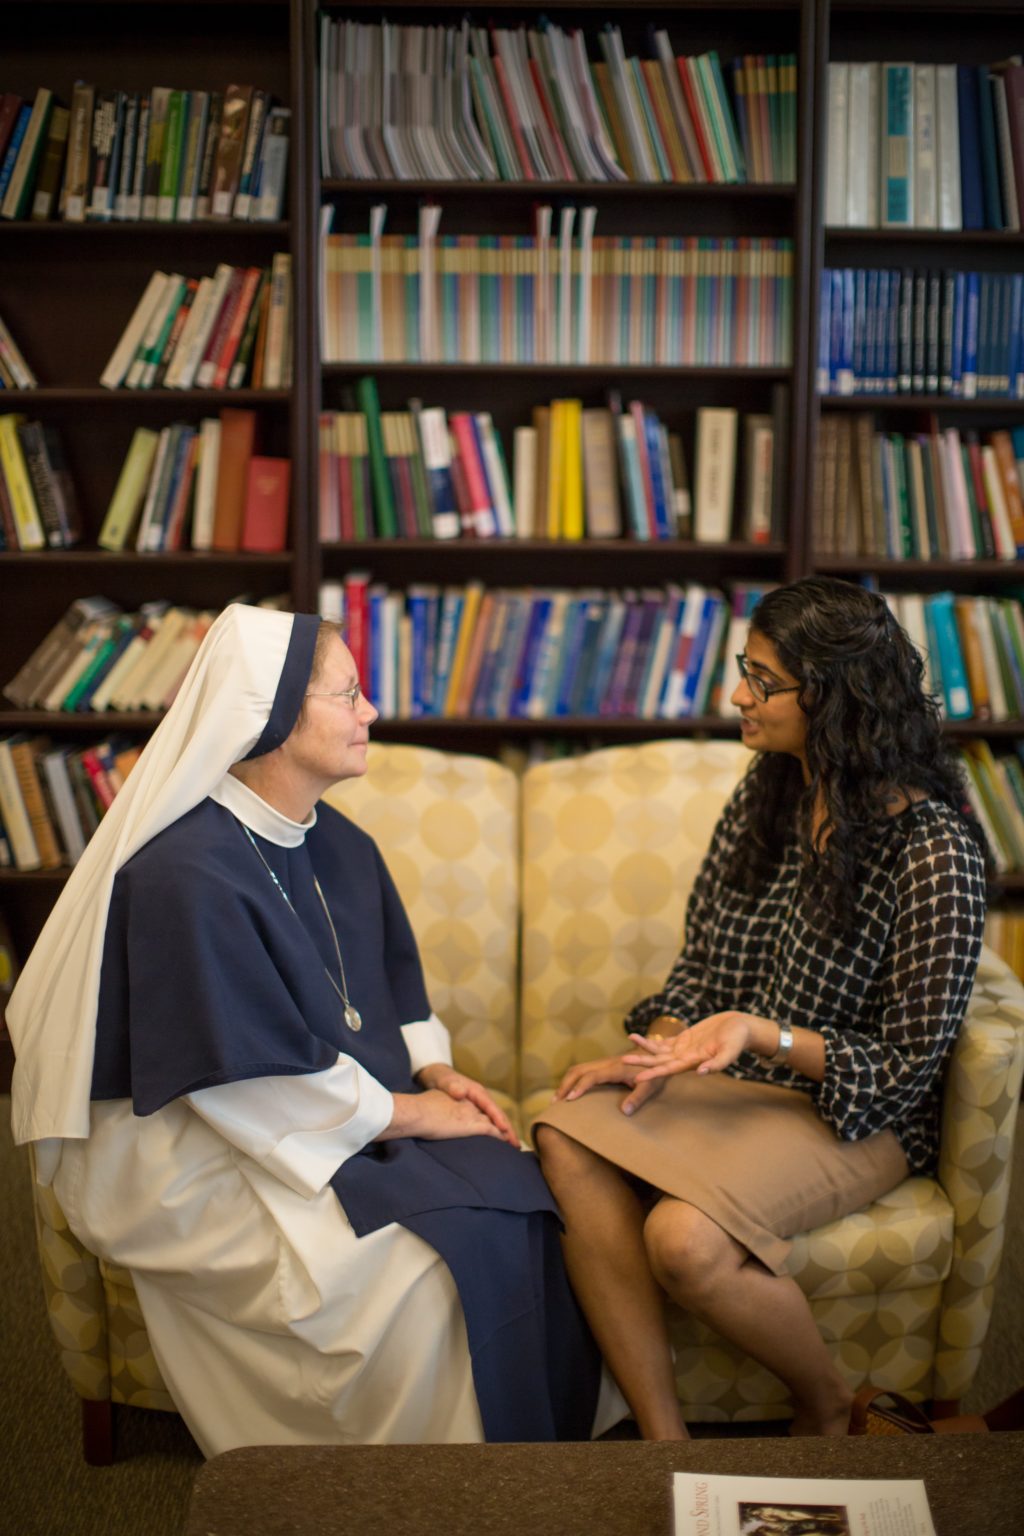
x,y
447,825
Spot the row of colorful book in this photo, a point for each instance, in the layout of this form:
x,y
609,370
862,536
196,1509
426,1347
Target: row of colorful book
x,y
98,658
230,330
541,653
162,154
52,798
578,471
925,146
552,298
946,494
973,651
995,788
465,103
15,372
185,486
38,501
914,331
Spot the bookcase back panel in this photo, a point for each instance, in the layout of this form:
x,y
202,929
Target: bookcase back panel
x,y
132,48
941,38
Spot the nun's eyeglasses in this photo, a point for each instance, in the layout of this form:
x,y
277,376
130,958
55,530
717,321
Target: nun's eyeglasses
x,y
351,694
761,690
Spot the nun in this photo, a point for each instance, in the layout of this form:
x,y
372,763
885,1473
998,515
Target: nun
x,y
233,1079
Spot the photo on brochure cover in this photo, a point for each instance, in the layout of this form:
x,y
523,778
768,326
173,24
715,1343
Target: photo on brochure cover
x,y
793,1520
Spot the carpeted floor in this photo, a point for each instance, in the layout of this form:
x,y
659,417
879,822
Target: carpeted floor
x,y
46,1489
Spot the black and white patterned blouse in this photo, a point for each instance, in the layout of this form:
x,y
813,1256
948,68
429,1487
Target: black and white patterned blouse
x,y
888,1000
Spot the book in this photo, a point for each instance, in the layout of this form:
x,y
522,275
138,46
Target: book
x,y
715,473
265,518
227,163
237,442
16,199
731,1506
13,811
897,146
51,166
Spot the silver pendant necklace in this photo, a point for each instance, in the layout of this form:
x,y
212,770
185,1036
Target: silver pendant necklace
x,y
350,1014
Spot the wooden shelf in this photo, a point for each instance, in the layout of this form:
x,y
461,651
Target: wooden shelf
x,y
104,228
95,394
559,372
996,237
537,191
928,572
993,404
105,559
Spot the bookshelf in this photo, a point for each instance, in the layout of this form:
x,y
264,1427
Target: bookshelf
x,y
66,292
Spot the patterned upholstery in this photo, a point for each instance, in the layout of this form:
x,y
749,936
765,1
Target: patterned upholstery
x,y
611,843
447,827
902,1290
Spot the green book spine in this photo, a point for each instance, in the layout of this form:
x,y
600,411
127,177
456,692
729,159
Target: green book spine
x,y
383,499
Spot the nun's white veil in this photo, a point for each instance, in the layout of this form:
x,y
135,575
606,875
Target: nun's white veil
x,y
235,702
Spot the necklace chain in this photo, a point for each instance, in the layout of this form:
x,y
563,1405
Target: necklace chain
x,y
350,1014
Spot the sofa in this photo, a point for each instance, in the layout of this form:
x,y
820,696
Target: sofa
x,y
545,904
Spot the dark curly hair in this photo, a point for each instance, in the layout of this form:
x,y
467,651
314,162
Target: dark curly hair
x,y
872,732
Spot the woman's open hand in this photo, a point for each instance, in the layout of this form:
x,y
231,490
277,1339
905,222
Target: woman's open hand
x,y
608,1069
708,1046
466,1090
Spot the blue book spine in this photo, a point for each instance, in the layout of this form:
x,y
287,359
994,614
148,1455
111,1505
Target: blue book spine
x,y
662,511
941,620
607,646
612,702
488,665
860,330
971,196
10,158
375,615
835,347
991,192
946,333
589,645
892,339
986,289
959,315
906,331
1014,302
569,655
522,682
419,677
696,659
872,334
1017,339
448,628
970,370
511,656
823,377
898,145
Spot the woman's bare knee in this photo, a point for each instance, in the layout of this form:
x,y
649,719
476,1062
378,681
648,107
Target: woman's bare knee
x,y
688,1251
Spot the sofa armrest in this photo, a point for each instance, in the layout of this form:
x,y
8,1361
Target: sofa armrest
x,y
75,1301
975,1164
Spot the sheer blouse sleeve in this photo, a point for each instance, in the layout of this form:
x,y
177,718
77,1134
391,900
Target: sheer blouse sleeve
x,y
685,994
874,1080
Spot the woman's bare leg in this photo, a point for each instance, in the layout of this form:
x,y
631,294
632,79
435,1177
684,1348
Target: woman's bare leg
x,y
609,1271
767,1316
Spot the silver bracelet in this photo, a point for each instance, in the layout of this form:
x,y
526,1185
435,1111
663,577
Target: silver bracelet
x,y
783,1049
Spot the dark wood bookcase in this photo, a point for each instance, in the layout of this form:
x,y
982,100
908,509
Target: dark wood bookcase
x,y
67,291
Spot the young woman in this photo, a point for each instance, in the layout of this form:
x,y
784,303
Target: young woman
x,y
789,1070
227,1060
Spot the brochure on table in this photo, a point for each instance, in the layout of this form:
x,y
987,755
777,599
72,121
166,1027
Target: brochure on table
x,y
799,1506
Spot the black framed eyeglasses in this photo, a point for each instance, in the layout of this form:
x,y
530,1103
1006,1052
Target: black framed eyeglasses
x,y
761,690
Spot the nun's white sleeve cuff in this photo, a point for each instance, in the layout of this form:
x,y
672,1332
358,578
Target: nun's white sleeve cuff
x,y
299,1128
427,1041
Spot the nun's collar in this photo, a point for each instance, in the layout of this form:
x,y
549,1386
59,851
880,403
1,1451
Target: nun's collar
x,y
258,815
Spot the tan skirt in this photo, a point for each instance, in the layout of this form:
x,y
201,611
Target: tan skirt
x,y
757,1159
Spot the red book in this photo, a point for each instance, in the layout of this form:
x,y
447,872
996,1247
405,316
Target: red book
x,y
9,104
265,524
346,506
219,331
357,636
698,127
481,510
225,357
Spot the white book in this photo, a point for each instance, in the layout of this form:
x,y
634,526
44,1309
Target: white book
x,y
911,616
947,118
123,354
142,368
862,147
715,473
565,295
957,501
662,652
926,188
588,218
836,161
146,520
206,483
119,674
437,461
524,472
54,766
156,651
269,205
275,354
